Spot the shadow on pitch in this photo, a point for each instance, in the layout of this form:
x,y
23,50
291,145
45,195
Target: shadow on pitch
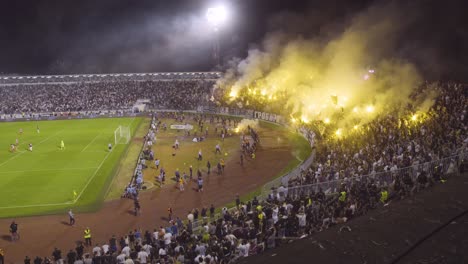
x,y
6,237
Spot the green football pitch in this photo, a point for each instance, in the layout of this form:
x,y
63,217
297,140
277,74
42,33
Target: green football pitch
x,y
44,180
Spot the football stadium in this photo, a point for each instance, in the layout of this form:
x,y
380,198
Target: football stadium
x,y
332,139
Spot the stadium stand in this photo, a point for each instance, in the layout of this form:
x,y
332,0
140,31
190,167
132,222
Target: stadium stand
x,y
390,159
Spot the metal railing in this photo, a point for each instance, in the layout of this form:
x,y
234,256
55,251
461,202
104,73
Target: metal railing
x,y
445,166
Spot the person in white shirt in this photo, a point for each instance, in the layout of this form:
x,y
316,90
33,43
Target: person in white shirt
x,y
200,155
162,253
126,250
155,235
201,249
97,250
199,259
128,260
87,259
147,248
142,257
244,249
121,258
78,261
302,220
105,248
275,215
167,238
231,238
190,217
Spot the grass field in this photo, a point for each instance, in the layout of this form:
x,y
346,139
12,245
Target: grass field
x,y
43,181
188,152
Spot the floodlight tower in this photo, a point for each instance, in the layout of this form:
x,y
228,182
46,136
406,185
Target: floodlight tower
x,y
216,17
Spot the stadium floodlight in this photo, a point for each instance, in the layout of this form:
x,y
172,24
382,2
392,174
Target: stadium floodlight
x,y
216,15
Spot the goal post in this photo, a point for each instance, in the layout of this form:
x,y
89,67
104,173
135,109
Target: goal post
x,y
122,135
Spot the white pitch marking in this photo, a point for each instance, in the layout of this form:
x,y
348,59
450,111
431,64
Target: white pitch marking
x,y
34,205
92,177
91,142
57,204
17,155
63,169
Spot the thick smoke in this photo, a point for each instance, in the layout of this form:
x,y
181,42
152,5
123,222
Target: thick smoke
x,y
244,124
347,79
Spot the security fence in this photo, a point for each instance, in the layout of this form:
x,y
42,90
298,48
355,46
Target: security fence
x,y
439,168
432,169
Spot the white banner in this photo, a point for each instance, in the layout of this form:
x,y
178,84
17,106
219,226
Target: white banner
x,y
186,127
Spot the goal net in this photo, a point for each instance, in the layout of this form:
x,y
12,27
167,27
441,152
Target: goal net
x,y
122,135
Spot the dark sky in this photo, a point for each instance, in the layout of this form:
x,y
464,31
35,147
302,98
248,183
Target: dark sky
x,y
85,36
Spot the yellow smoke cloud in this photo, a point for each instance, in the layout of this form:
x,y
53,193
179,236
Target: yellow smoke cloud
x,y
348,79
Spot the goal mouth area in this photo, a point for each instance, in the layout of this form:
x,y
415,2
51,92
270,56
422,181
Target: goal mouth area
x,y
122,135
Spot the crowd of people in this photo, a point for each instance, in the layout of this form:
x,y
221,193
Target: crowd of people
x,y
103,95
386,144
394,141
252,227
112,77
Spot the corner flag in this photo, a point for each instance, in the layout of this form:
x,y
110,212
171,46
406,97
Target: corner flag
x,y
74,195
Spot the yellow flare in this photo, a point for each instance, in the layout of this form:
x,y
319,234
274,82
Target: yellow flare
x,y
304,119
355,109
293,120
355,127
263,92
338,132
414,117
233,94
326,120
370,108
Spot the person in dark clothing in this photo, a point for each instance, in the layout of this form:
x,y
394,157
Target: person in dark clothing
x,y
79,250
212,210
37,260
14,231
113,244
71,257
57,254
208,166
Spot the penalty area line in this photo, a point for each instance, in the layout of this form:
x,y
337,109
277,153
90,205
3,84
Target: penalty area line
x,y
91,142
92,177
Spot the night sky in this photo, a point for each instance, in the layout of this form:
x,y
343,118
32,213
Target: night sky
x,y
99,36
